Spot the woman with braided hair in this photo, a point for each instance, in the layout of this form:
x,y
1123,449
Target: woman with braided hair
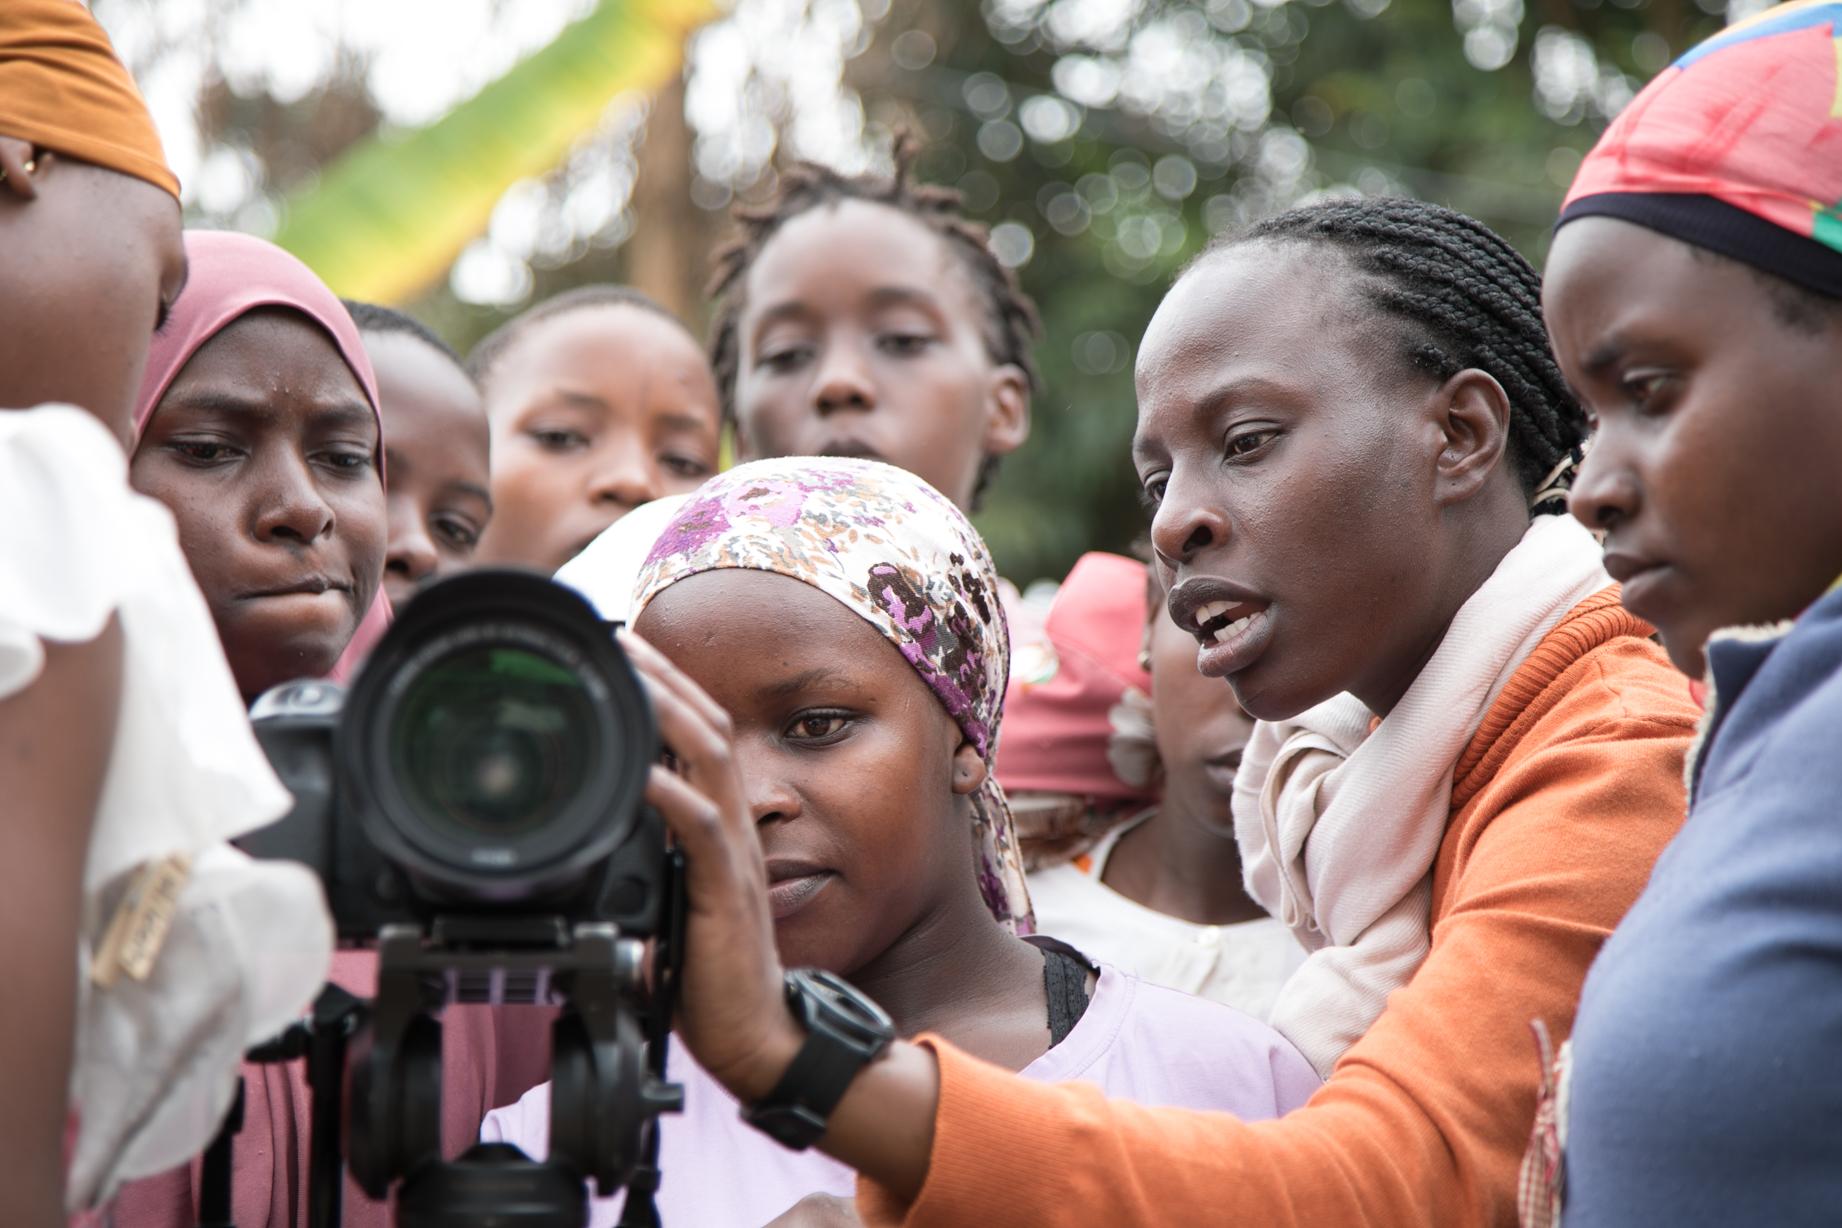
x,y
1468,759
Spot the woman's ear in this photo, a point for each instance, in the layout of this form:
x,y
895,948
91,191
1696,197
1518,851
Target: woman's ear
x,y
969,770
1007,415
1473,413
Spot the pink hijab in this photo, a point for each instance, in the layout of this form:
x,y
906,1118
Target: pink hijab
x,y
232,275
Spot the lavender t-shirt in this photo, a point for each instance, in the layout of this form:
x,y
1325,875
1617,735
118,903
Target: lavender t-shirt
x,y
1136,1041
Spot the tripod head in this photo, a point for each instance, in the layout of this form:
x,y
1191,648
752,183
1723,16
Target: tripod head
x,y
607,1070
604,1093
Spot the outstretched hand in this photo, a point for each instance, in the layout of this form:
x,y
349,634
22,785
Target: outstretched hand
x,y
732,1012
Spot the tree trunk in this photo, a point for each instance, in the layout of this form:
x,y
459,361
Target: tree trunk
x,y
668,256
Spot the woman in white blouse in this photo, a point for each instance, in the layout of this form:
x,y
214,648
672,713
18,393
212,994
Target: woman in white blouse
x,y
125,757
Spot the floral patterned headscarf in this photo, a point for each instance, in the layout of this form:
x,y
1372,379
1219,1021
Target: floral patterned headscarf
x,y
898,554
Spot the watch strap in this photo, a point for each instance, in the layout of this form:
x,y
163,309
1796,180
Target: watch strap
x,y
844,1033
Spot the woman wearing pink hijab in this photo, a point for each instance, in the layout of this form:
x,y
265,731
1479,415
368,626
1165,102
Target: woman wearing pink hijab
x,y
257,425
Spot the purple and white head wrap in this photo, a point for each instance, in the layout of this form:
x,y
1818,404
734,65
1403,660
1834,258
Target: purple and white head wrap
x,y
901,556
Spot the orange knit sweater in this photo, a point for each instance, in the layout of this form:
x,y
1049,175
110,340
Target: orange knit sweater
x,y
1560,806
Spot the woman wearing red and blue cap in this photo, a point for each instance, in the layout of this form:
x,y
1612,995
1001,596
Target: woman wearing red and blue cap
x,y
1694,294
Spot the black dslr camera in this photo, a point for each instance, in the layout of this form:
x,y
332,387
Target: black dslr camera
x,y
486,764
473,805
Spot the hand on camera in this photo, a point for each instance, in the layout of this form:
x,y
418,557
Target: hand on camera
x,y
732,1010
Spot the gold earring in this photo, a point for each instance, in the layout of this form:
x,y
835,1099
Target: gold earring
x,y
1144,659
29,166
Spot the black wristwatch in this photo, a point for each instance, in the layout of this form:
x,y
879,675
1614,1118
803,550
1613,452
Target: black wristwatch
x,y
845,1032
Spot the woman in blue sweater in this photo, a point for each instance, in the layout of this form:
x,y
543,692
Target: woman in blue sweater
x,y
1694,293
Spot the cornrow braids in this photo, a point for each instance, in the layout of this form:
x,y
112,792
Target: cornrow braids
x,y
1462,298
497,344
373,318
1011,325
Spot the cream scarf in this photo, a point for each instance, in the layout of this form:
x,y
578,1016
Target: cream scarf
x,y
1339,826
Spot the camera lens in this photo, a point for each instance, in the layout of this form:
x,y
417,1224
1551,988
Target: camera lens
x,y
493,740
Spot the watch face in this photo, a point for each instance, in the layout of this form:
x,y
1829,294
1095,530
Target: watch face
x,y
839,1004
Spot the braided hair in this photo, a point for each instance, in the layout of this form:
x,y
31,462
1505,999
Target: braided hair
x,y
1011,325
1461,297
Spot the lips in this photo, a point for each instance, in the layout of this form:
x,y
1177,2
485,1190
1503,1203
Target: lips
x,y
1232,625
854,448
1624,566
1641,579
792,884
300,586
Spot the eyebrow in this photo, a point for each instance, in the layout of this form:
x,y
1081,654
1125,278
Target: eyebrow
x,y
880,296
1243,388
220,401
581,400
810,678
473,489
1231,390
916,295
1603,357
682,422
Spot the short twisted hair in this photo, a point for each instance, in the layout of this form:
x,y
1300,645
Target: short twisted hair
x,y
1011,325
1461,297
375,318
493,348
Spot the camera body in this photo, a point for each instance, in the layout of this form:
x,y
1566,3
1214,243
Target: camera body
x,y
474,806
484,771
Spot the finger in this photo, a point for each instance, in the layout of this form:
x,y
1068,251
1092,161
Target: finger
x,y
655,664
704,752
721,862
689,732
16,167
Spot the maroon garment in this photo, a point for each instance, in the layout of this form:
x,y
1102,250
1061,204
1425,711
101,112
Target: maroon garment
x,y
490,1057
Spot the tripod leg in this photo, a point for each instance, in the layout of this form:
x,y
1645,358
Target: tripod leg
x,y
336,1015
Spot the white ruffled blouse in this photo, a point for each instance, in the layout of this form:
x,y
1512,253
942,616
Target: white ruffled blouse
x,y
250,942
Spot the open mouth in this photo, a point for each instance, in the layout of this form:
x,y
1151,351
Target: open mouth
x,y
1220,621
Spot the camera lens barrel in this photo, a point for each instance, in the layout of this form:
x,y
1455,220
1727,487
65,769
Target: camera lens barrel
x,y
496,745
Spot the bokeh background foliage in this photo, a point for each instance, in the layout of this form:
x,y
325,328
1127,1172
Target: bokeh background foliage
x,y
462,157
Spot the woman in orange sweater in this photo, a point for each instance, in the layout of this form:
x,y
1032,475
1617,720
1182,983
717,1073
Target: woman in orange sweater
x,y
1346,418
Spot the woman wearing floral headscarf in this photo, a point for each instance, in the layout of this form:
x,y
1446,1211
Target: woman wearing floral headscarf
x,y
844,615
